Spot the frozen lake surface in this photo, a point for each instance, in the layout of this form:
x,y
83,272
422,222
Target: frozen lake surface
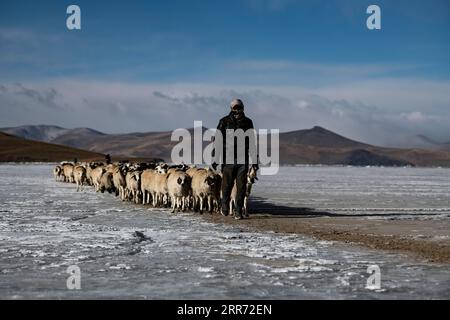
x,y
46,226
419,193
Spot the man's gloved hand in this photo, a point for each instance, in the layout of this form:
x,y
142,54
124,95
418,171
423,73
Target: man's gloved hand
x,y
214,166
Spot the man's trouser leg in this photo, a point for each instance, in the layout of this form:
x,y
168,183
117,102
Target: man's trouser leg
x,y
228,176
241,187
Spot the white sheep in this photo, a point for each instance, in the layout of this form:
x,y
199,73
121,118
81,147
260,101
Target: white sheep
x,y
96,175
160,188
58,173
204,187
106,182
68,172
147,186
179,187
79,174
133,188
89,167
119,181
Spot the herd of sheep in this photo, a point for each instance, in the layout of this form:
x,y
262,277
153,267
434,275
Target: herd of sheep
x,y
178,186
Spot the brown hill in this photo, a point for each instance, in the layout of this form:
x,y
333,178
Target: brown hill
x,y
446,146
301,154
15,149
371,155
134,145
319,137
310,146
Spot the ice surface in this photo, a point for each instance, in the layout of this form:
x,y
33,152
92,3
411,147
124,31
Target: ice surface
x,y
390,193
46,226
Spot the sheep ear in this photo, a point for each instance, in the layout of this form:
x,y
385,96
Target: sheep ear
x,y
179,180
256,178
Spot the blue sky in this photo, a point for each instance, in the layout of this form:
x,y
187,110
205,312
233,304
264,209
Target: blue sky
x,y
316,59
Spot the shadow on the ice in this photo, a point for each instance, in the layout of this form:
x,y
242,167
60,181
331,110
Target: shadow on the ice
x,y
258,205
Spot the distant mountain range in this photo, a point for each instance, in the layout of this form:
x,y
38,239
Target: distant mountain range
x,y
321,146
421,141
47,133
310,146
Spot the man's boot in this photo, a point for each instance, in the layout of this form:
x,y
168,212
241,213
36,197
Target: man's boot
x,y
238,215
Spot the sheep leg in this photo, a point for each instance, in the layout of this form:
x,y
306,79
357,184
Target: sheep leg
x,y
210,204
173,204
194,203
245,212
136,197
232,208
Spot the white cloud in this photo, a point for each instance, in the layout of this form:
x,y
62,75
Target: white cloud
x,y
415,116
373,111
27,37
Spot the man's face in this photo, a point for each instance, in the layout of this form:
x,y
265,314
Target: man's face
x,y
237,112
